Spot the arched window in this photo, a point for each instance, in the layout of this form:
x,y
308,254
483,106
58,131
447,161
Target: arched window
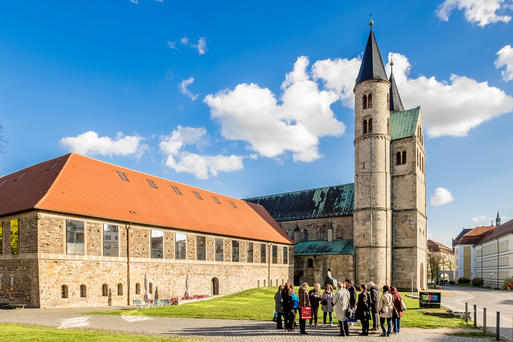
x,y
310,263
120,289
364,101
258,283
330,234
370,125
297,234
404,157
305,235
137,288
364,126
83,291
369,101
64,291
320,234
398,158
264,283
105,290
151,287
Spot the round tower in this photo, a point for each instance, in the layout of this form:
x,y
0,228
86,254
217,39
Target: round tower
x,y
372,190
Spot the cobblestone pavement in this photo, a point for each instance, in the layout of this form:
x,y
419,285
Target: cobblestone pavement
x,y
207,329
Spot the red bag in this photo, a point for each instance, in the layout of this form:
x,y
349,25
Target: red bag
x,y
306,312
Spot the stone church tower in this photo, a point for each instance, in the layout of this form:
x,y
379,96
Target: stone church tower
x,y
372,186
374,229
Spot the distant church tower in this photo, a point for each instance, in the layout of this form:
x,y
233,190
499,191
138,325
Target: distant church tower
x,y
372,183
498,219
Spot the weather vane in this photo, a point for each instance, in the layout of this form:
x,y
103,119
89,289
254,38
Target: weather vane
x,y
370,21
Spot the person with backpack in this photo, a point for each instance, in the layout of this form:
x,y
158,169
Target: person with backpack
x,y
385,308
278,307
295,302
288,307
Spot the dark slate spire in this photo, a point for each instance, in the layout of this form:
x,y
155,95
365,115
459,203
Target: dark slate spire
x,y
498,219
396,105
372,67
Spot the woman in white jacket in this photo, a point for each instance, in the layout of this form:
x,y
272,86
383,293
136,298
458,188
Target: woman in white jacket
x,y
385,310
341,304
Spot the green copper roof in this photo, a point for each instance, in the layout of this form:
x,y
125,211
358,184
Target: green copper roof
x,y
329,201
324,247
403,124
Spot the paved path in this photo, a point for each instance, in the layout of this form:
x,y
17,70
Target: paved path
x,y
207,329
455,297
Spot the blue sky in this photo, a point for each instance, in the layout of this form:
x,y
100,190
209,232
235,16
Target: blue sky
x,y
252,98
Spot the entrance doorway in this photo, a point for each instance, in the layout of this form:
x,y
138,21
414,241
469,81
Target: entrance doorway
x,y
215,287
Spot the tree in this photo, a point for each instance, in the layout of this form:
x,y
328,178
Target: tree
x,y
433,266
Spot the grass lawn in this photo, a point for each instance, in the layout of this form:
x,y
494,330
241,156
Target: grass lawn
x,y
21,332
258,304
474,334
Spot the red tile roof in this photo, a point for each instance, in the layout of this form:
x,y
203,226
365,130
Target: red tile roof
x,y
503,229
475,235
89,187
435,246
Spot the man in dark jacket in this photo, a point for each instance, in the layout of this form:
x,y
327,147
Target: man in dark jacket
x,y
278,307
288,307
363,310
374,299
352,294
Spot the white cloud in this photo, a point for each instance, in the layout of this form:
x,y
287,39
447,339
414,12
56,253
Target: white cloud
x,y
172,45
505,59
201,46
440,197
450,108
339,74
89,143
482,12
184,40
134,1
185,90
201,166
271,128
480,219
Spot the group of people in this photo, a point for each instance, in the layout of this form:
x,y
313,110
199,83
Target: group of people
x,y
348,305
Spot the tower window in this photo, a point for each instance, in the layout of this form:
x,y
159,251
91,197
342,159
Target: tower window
x,y
364,126
404,158
369,101
370,124
305,235
398,158
364,101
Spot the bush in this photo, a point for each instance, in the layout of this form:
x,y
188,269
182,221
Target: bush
x,y
477,281
463,280
507,281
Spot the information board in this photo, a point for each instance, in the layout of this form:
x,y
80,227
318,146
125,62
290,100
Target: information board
x,y
430,299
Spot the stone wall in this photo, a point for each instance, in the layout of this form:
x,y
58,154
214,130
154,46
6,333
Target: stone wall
x,y
342,267
22,267
56,269
342,227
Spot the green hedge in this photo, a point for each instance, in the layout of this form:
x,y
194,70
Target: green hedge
x,y
477,281
463,280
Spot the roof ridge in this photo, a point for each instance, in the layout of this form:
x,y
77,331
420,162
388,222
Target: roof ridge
x,y
151,176
297,191
69,156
